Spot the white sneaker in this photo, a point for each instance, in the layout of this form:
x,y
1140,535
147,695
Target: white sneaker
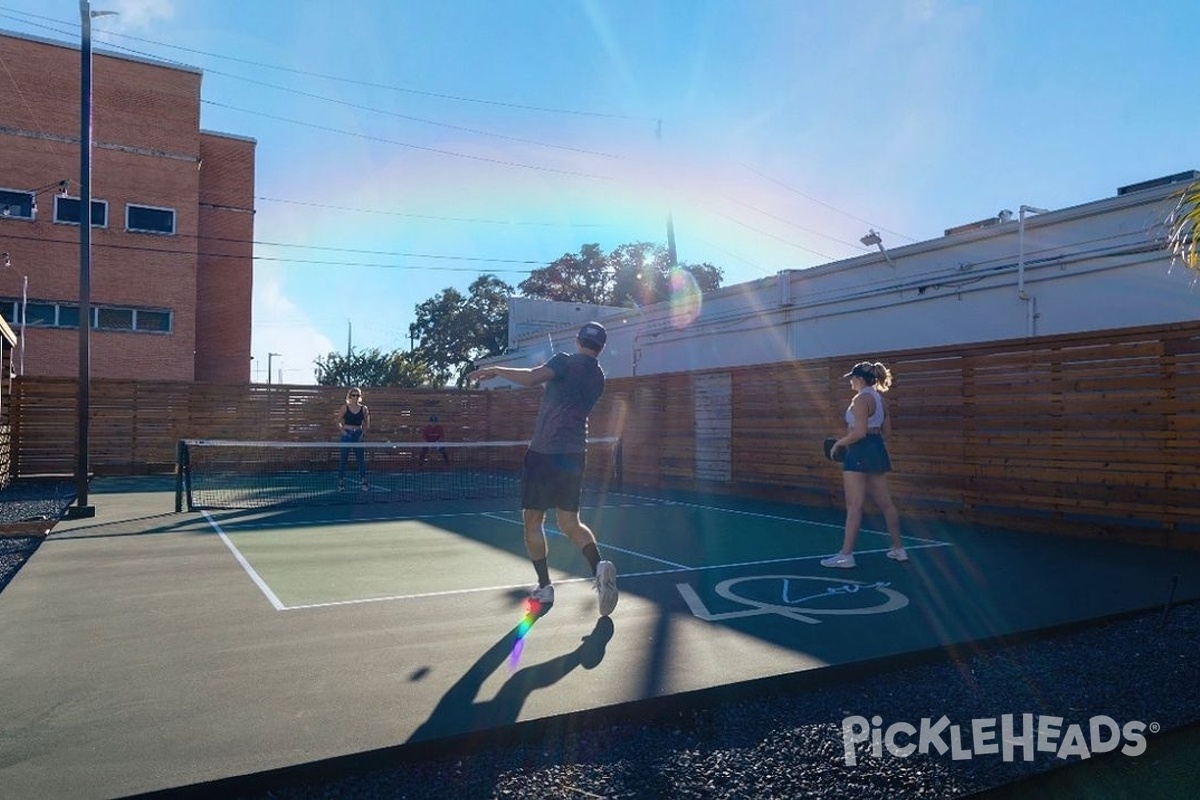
x,y
543,595
606,587
897,554
839,560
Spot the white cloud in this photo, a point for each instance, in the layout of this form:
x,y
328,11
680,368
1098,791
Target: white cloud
x,y
139,15
281,327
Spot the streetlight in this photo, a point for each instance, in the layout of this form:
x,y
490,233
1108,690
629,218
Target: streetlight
x,y
873,239
271,356
81,507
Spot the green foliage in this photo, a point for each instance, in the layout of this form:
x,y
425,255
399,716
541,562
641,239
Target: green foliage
x,y
583,278
456,330
1184,228
373,368
631,275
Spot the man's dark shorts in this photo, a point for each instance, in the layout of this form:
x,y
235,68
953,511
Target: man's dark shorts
x,y
552,480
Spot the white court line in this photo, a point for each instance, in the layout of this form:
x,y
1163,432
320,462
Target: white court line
x,y
674,568
256,525
801,520
525,586
557,532
254,576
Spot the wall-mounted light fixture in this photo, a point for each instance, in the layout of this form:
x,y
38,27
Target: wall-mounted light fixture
x,y
63,187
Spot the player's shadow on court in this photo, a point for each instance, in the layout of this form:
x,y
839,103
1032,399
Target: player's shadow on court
x,y
460,712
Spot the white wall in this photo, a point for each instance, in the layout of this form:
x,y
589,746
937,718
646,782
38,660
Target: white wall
x,y
1090,267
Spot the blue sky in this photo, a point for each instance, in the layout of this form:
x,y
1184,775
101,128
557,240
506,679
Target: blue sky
x,y
406,147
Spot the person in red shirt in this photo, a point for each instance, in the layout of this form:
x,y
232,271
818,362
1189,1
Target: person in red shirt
x,y
434,432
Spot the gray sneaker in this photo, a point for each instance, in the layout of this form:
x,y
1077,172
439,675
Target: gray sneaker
x,y
839,561
606,587
543,595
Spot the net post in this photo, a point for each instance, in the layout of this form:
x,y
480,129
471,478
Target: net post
x,y
180,460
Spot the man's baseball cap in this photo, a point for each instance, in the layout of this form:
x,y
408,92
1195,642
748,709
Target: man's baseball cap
x,y
593,335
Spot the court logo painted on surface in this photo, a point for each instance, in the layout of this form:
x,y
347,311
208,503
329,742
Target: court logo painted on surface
x,y
796,597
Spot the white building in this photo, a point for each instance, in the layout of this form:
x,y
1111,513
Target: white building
x,y
1025,272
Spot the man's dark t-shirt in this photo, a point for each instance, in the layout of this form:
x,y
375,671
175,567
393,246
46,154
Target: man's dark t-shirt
x,y
577,384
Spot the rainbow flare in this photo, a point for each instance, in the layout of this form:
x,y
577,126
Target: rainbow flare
x,y
534,609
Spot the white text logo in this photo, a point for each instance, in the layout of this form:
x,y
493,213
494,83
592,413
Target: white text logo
x,y
1006,736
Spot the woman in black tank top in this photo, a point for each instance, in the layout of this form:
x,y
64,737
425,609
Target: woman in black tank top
x,y
352,420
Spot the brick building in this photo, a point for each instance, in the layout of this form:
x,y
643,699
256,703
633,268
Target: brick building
x,y
172,220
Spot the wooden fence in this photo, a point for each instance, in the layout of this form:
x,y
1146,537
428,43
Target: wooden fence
x,y
1091,434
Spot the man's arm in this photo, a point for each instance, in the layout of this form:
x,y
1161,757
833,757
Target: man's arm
x,y
518,375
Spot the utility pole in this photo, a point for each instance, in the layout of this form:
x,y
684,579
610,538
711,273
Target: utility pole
x,y
81,507
670,221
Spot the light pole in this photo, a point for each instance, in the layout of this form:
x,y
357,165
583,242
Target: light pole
x,y
81,507
670,218
1029,300
271,356
24,306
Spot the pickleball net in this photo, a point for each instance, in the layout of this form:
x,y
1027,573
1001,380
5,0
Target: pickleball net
x,y
228,474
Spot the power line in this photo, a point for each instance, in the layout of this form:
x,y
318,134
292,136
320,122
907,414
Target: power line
x,y
425,148
474,131
795,224
339,79
205,254
422,120
437,218
793,190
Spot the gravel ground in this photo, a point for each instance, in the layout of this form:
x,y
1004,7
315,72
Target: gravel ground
x,y
786,744
14,551
28,501
1139,669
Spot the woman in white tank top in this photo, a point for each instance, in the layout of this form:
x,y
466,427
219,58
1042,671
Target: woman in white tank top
x,y
865,460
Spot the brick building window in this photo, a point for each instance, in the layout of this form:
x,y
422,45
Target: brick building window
x,y
66,210
149,219
16,205
45,314
68,316
159,321
114,319
105,318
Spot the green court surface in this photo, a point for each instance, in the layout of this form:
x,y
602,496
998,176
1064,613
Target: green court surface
x,y
144,650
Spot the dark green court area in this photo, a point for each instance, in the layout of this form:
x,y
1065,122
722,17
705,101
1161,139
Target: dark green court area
x,y
143,649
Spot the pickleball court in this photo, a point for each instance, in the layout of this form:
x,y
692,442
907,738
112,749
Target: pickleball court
x,y
156,650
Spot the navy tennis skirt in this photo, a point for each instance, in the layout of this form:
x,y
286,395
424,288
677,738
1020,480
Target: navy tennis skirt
x,y
868,454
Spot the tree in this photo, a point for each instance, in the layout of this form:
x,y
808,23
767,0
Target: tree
x,y
372,368
583,278
1184,228
456,330
634,274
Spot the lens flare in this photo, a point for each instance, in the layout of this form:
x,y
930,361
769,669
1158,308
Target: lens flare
x,y
533,610
685,297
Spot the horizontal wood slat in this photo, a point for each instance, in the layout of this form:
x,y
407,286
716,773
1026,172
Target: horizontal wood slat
x,y
1085,433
